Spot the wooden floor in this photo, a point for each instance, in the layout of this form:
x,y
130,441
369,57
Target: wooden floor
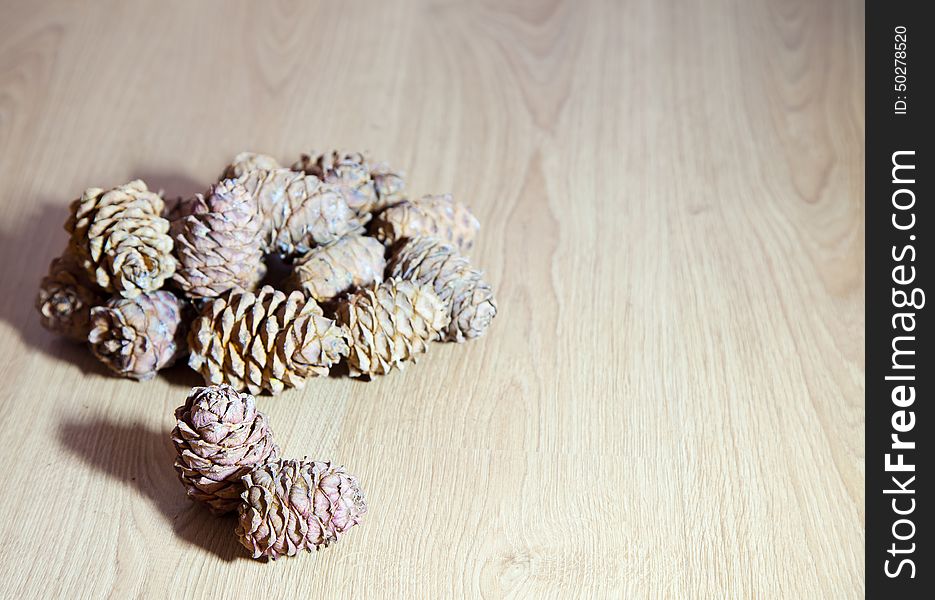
x,y
670,402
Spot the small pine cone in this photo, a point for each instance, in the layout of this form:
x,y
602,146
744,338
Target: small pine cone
x,y
389,185
327,271
65,299
220,436
461,287
135,337
218,243
390,324
346,170
121,240
436,216
295,505
249,161
298,211
264,341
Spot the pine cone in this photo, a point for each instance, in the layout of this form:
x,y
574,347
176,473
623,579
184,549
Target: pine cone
x,y
436,216
264,341
218,244
294,505
220,436
249,161
328,271
389,185
120,239
346,170
390,324
298,210
462,288
65,299
137,336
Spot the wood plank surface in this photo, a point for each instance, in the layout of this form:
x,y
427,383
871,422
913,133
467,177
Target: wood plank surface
x,y
670,402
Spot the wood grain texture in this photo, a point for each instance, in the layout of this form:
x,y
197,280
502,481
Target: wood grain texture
x,y
670,402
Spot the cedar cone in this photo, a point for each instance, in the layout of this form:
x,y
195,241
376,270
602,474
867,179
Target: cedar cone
x,y
137,336
390,324
65,299
328,271
348,171
120,239
218,243
264,341
249,161
220,436
295,505
436,216
461,287
298,210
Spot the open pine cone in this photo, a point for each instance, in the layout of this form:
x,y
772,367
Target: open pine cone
x,y
432,216
293,505
298,211
346,170
327,271
220,436
249,161
264,341
390,324
135,337
461,287
121,240
65,299
218,244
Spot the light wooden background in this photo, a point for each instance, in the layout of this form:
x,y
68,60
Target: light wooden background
x,y
670,403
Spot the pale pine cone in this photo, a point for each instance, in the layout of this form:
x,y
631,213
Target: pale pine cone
x,y
389,324
432,216
65,299
328,271
219,437
249,161
346,170
120,239
462,288
264,341
293,505
135,337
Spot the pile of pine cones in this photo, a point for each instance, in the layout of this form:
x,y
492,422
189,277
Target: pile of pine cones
x,y
228,460
374,277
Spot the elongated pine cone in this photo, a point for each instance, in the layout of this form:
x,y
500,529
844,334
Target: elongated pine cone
x,y
121,240
461,287
218,244
65,299
327,271
135,337
220,436
390,324
298,211
264,341
436,216
293,505
249,161
348,171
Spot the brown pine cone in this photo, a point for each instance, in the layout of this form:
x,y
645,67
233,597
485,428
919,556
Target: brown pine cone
x,y
218,244
436,216
461,287
293,505
249,161
346,170
327,271
65,299
120,238
220,436
390,324
135,337
264,341
298,211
